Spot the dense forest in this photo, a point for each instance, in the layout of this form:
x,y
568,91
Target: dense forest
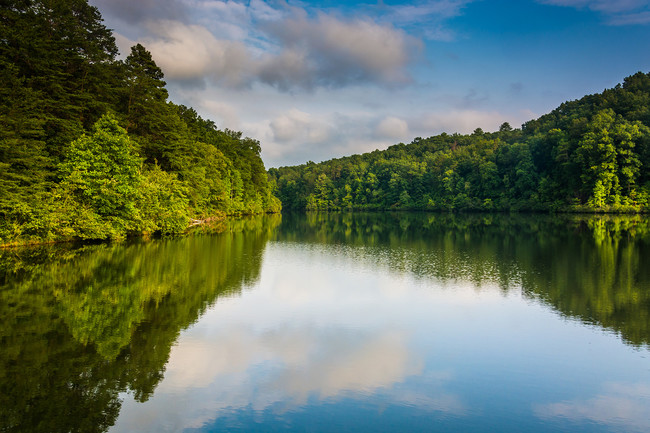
x,y
590,155
90,146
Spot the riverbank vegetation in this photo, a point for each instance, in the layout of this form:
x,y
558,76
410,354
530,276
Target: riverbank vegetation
x,y
590,155
90,146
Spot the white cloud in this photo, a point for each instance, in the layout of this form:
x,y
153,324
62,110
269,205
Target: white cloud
x,y
296,136
191,52
618,12
631,19
263,11
394,128
420,11
124,44
427,17
223,114
225,19
298,125
608,6
292,52
338,52
291,137
182,51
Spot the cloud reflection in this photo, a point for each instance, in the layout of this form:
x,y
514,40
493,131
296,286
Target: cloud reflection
x,y
336,365
302,362
285,346
619,405
282,370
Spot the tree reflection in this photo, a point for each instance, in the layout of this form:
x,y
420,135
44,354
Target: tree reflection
x,y
78,326
589,267
81,325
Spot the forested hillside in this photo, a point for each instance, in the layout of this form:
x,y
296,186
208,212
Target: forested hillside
x,y
592,154
90,146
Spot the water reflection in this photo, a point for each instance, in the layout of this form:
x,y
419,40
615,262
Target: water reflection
x,y
80,325
300,339
334,322
588,267
620,406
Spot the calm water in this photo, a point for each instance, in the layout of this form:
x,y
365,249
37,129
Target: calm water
x,y
330,323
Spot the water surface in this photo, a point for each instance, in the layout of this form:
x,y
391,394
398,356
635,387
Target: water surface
x,y
339,322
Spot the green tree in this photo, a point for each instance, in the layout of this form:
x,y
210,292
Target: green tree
x,y
63,52
161,134
101,175
145,90
162,202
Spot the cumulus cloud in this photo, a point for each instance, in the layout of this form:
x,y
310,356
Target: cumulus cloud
x,y
124,44
619,12
226,19
294,136
188,52
298,125
263,11
224,114
337,52
392,127
237,46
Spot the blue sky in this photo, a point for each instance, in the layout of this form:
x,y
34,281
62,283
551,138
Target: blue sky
x,y
318,80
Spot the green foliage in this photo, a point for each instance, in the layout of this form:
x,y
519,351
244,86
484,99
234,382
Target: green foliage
x,y
163,202
58,76
100,174
587,155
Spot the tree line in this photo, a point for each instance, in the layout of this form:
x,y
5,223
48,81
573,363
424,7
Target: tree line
x,y
591,154
90,146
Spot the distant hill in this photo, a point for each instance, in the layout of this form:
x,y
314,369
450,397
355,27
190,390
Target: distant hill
x,y
591,154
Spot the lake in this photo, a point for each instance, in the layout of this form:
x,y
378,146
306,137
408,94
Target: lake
x,y
335,323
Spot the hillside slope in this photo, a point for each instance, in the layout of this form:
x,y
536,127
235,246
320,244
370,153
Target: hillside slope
x,y
592,154
90,146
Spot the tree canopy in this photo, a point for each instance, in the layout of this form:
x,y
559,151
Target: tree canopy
x,y
90,146
592,154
